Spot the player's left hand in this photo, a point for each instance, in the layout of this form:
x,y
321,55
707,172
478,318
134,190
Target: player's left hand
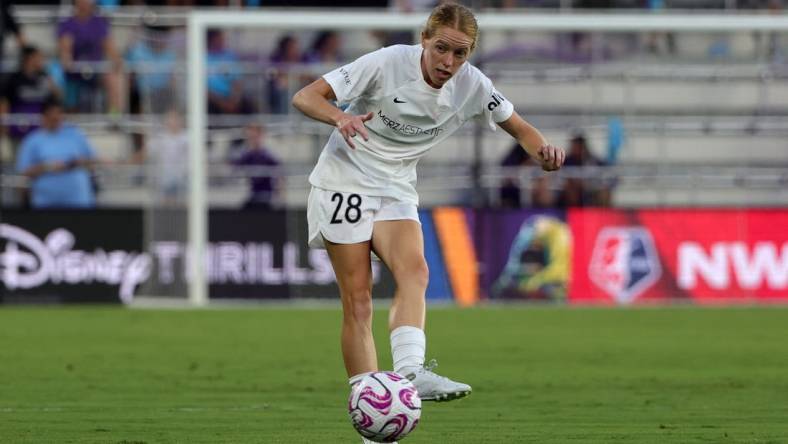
x,y
552,157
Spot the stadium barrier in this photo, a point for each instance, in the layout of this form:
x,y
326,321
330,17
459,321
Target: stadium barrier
x,y
579,256
101,256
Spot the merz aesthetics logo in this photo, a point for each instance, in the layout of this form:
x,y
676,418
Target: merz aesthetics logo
x,y
624,262
497,99
407,129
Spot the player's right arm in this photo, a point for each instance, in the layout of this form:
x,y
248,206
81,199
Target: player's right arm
x,y
314,100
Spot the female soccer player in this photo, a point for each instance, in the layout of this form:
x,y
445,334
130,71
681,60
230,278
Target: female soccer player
x,y
402,100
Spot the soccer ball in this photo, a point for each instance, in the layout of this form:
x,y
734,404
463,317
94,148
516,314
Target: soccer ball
x,y
384,407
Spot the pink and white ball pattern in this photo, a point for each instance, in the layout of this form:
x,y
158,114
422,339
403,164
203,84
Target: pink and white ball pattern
x,y
384,407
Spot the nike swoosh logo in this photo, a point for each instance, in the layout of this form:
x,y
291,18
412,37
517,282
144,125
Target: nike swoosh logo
x,y
398,101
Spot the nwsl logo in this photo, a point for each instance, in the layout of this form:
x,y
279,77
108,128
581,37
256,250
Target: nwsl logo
x,y
624,262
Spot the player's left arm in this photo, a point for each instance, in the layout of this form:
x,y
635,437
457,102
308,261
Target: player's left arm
x,y
535,144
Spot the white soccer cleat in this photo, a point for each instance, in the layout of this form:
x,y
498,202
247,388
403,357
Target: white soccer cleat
x,y
366,441
432,387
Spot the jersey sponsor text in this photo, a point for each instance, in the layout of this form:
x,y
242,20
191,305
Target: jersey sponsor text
x,y
408,129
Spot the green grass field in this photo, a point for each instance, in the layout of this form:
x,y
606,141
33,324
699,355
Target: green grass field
x,y
541,375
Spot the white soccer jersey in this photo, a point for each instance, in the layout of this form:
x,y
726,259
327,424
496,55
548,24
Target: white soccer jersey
x,y
410,117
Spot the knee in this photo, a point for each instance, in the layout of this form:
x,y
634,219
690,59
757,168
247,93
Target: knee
x,y
359,306
414,274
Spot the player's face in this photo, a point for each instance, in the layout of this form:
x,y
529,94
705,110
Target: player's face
x,y
444,54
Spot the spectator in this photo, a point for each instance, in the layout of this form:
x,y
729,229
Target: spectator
x,y
225,90
509,193
286,55
57,158
578,191
25,92
84,42
153,64
251,153
8,25
153,88
542,196
168,153
324,49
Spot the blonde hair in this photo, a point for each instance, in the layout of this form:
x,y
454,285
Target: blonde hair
x,y
453,16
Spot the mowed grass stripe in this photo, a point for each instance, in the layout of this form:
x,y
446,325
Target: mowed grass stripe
x,y
540,375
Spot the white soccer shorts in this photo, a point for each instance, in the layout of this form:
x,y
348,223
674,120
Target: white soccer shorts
x,y
348,218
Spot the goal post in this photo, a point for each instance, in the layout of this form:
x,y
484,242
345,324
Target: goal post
x,y
200,21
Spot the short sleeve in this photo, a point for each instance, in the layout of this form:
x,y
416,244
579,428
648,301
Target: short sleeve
x,y
358,78
495,108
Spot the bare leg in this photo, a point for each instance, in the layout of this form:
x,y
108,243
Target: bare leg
x,y
353,269
400,244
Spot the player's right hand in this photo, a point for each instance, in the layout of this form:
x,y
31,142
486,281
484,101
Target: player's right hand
x,y
551,157
350,125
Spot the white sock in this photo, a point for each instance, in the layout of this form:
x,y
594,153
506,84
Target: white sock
x,y
408,346
353,380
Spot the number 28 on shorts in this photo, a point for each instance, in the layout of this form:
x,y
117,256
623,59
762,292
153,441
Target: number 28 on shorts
x,y
348,218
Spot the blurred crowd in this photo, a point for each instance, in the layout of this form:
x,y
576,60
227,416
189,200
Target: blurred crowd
x,y
92,72
548,191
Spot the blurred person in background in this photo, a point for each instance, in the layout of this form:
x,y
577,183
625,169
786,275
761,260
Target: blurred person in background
x,y
578,191
224,74
324,49
25,92
8,25
58,159
153,88
771,45
285,56
153,65
250,154
510,194
167,156
322,54
84,39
